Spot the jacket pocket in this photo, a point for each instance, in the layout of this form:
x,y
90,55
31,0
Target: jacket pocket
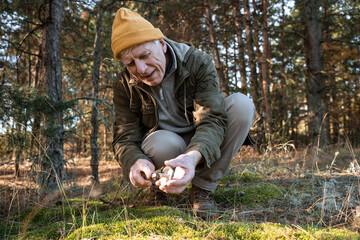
x,y
135,106
148,115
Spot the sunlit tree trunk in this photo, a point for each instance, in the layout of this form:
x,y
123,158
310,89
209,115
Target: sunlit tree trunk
x,y
15,156
215,50
356,111
265,83
251,42
105,139
251,54
333,98
284,106
94,162
37,84
315,79
17,150
259,60
257,52
226,70
241,49
53,163
325,98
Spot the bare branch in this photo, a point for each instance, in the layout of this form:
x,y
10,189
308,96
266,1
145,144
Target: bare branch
x,y
19,49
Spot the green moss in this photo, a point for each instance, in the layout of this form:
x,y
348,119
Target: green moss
x,y
150,212
163,223
46,221
168,227
141,221
81,219
243,177
51,231
255,194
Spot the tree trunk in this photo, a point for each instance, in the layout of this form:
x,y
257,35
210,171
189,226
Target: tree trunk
x,y
241,49
266,73
94,113
53,163
215,50
251,54
252,65
36,124
356,112
283,105
257,60
315,79
226,70
17,150
331,80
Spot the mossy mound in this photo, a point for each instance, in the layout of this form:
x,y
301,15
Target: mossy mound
x,y
52,221
157,223
174,227
242,177
139,221
256,194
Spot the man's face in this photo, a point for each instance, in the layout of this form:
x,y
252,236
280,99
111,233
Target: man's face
x,y
147,61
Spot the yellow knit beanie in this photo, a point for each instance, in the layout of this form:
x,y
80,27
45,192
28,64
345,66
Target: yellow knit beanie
x,y
129,29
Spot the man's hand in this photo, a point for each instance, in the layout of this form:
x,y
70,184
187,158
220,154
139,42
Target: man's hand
x,y
140,172
184,165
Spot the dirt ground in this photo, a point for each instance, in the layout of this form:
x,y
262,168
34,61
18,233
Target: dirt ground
x,y
320,187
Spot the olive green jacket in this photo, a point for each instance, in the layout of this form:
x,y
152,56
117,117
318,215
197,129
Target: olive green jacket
x,y
198,95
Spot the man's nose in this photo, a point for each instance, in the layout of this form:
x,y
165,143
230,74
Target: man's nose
x,y
141,66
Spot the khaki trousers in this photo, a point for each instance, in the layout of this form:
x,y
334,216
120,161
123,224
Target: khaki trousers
x,y
163,145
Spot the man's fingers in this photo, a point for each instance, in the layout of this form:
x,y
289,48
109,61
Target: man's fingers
x,y
140,172
179,161
178,182
138,179
172,190
148,173
144,175
171,163
179,173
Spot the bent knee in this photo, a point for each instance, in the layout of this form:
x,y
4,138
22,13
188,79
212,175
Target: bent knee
x,y
163,145
241,107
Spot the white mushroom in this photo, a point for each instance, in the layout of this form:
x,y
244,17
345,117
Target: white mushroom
x,y
165,174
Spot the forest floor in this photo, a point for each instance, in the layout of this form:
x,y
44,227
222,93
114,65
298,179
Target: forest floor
x,y
283,193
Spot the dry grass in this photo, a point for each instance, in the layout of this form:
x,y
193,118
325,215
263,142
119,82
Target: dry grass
x,y
320,188
16,193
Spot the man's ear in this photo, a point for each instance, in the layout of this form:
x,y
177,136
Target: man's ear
x,y
163,45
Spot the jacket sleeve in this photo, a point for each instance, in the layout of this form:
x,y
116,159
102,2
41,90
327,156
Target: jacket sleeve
x,y
210,116
127,129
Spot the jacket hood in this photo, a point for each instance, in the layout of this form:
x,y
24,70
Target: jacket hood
x,y
179,48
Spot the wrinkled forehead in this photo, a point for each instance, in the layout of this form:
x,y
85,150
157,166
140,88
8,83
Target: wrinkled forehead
x,y
137,50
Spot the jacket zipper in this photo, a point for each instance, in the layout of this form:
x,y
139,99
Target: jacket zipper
x,y
182,82
156,110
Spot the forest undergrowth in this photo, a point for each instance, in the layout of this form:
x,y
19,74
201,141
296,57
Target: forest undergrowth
x,y
283,193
